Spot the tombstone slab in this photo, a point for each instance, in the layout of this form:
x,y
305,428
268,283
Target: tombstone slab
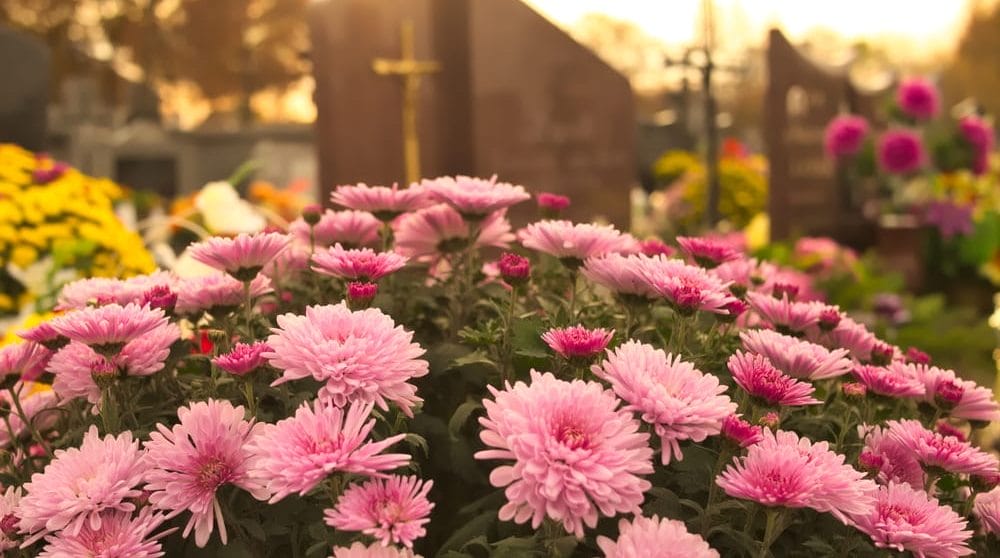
x,y
515,97
24,94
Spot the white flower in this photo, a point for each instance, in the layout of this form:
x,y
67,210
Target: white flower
x,y
225,212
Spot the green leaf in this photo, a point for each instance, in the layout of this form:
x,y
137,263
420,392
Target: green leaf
x,y
461,416
469,531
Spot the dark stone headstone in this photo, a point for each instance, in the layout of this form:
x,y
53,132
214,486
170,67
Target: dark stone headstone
x,y
515,97
807,196
24,89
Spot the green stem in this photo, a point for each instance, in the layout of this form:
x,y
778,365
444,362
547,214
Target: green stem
x,y
771,531
109,410
248,312
35,434
248,393
713,488
508,356
573,276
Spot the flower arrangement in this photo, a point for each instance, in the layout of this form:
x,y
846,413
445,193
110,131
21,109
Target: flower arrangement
x,y
410,376
57,224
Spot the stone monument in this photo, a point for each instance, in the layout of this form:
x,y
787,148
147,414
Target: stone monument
x,y
24,91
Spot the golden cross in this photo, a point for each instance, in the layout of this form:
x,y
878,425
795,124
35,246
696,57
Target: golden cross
x,y
410,69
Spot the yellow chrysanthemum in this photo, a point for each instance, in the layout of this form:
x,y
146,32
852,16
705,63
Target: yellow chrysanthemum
x,y
23,255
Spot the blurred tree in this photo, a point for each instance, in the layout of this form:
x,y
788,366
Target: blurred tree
x,y
626,48
974,70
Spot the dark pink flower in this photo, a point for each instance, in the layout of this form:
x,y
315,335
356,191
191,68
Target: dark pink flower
x,y
687,288
243,358
901,151
578,341
904,518
551,205
758,377
360,294
918,98
979,134
845,135
917,356
656,247
706,251
514,269
741,432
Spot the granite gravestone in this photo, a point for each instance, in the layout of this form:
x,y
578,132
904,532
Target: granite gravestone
x,y
514,96
24,90
807,196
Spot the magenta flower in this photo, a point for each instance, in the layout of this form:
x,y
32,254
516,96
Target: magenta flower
x,y
573,243
376,550
243,358
575,454
669,537
43,334
904,518
362,264
80,485
949,218
353,229
845,135
655,247
439,230
192,460
980,136
107,329
119,535
788,471
22,360
474,197
622,275
9,501
382,201
514,269
944,452
741,432
299,452
159,296
758,377
393,510
918,98
687,288
784,314
896,381
963,399
681,402
986,507
360,295
242,256
795,357
889,460
358,356
217,292
578,342
708,252
900,151
551,205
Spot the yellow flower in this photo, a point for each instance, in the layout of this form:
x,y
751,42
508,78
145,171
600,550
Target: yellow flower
x,y
758,231
23,255
32,320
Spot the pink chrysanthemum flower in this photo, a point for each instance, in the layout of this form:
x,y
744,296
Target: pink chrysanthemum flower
x,y
987,509
894,381
439,230
686,287
845,135
943,452
352,229
784,314
679,401
359,356
900,151
80,484
392,510
359,550
758,377
23,360
785,470
514,269
918,98
963,399
119,536
979,135
243,358
706,251
797,358
39,404
618,273
743,274
192,460
242,256
551,205
362,264
45,335
741,432
298,453
573,243
90,291
575,454
578,341
217,292
107,328
9,502
474,197
887,459
904,518
845,333
656,247
670,539
386,203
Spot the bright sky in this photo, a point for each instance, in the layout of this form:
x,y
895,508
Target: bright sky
x,y
930,24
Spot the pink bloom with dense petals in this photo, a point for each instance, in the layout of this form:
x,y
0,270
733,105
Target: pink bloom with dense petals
x,y
888,459
687,288
845,135
577,341
376,550
108,327
788,471
9,501
980,136
119,536
382,201
944,452
918,98
299,452
24,360
669,537
552,203
89,291
243,358
439,230
574,242
795,357
242,256
901,151
216,291
39,404
514,269
681,402
741,432
353,229
620,274
845,333
758,377
392,510
359,264
44,334
784,314
656,247
892,381
575,454
904,518
987,509
474,197
358,356
81,484
968,401
707,251
192,460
